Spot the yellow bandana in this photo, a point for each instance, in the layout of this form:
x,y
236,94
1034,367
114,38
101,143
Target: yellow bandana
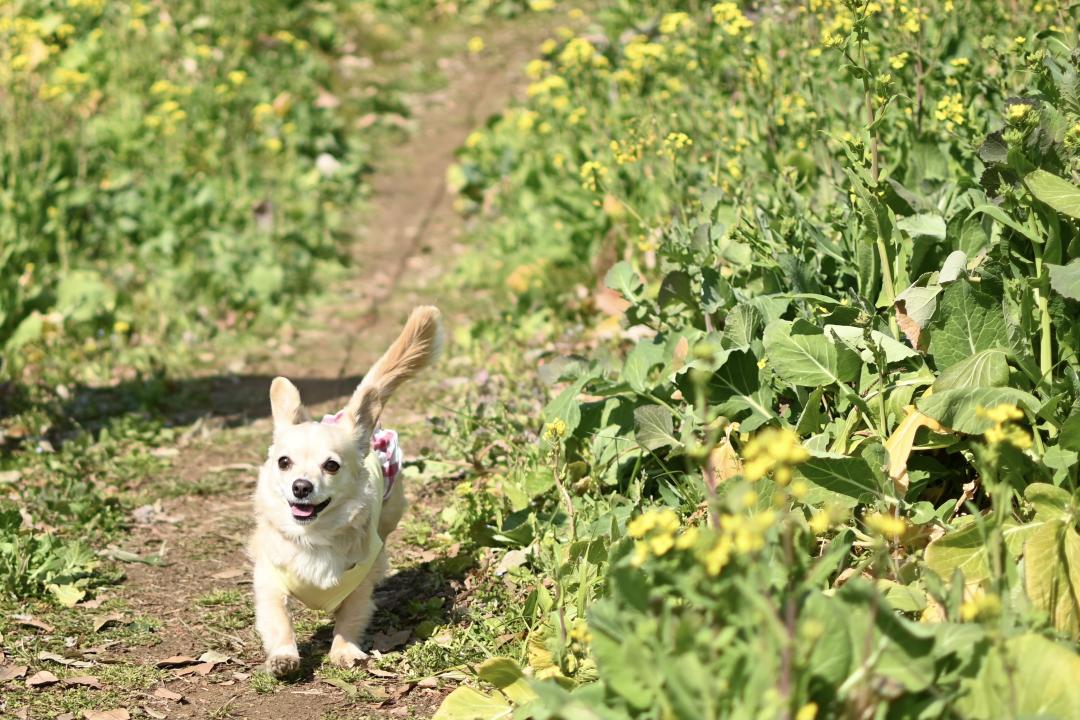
x,y
330,598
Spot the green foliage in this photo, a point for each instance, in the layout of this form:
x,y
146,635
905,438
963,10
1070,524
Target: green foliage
x,y
815,453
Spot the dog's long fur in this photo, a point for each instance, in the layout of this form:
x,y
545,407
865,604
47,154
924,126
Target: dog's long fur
x,y
319,551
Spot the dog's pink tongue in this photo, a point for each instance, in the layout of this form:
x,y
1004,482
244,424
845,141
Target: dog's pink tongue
x,y
302,511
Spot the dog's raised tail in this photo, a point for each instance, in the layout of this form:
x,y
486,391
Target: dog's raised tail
x,y
415,349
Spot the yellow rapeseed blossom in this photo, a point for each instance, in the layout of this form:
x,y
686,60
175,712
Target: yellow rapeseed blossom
x,y
475,45
898,61
1004,430
950,111
888,526
555,430
577,53
541,5
807,712
237,77
773,451
674,143
592,174
981,606
730,18
676,22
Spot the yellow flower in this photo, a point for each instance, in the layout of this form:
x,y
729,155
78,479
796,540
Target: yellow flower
x,y
120,327
237,77
888,526
548,46
579,52
475,45
950,111
592,175
980,606
730,19
675,22
555,430
541,5
819,522
807,712
274,145
772,450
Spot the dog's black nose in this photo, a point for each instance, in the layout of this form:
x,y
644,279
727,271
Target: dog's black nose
x,y
302,488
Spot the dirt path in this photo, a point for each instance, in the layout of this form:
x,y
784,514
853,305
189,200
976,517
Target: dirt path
x,y
201,594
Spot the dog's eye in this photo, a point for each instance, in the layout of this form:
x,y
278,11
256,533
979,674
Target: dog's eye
x,y
284,463
331,466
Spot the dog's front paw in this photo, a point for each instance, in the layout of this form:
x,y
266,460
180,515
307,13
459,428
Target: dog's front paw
x,y
281,664
346,654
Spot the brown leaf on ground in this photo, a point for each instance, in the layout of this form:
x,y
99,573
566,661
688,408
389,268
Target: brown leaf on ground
x,y
85,680
61,660
66,716
42,679
156,714
203,669
103,620
30,621
167,694
228,574
213,656
93,604
13,673
384,642
176,661
119,714
377,672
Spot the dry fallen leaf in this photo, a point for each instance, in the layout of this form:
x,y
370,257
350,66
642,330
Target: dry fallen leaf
x,y
93,604
176,661
42,679
12,673
119,714
84,680
167,694
377,672
228,574
61,660
103,620
30,621
204,668
156,714
213,656
384,643
66,716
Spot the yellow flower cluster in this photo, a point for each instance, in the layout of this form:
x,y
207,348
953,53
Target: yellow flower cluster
x,y
730,19
580,53
887,526
642,55
775,451
674,143
555,430
475,46
1004,430
592,175
675,22
981,606
950,111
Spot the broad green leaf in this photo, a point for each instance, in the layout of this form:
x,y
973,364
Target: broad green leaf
x,y
1002,217
505,674
930,225
919,303
83,294
653,427
1056,192
1050,502
565,407
468,704
644,357
854,338
987,368
808,359
1065,279
1070,432
624,279
846,476
954,267
30,329
960,409
736,388
967,321
965,549
1038,681
1052,574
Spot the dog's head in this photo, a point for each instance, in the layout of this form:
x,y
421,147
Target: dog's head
x,y
314,473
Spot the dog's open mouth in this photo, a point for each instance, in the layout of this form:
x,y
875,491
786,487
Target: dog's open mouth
x,y
305,513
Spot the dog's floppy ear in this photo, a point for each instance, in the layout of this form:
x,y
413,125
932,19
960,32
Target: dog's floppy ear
x,y
285,403
415,348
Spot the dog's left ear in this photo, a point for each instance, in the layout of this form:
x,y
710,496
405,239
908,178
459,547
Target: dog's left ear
x,y
415,348
285,403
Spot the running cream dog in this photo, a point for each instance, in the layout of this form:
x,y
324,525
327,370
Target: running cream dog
x,y
321,515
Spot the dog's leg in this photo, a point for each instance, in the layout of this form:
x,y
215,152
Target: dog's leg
x,y
274,624
352,618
